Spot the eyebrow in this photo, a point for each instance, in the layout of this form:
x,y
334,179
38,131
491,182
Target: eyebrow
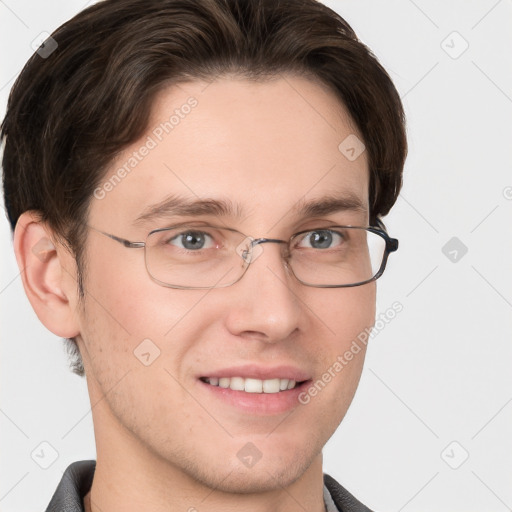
x,y
329,204
181,206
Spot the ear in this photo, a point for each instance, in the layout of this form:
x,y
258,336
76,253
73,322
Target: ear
x,y
48,272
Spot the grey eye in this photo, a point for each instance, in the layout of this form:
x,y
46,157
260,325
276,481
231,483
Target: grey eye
x,y
320,239
192,240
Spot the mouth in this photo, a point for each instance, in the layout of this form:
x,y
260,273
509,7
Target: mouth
x,y
255,389
250,385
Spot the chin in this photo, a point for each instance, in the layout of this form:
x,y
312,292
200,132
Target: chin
x,y
243,480
266,475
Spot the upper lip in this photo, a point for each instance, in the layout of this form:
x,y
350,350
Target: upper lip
x,y
252,371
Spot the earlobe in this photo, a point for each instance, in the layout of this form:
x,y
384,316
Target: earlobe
x,y
46,278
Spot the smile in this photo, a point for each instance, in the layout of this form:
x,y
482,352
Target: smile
x,y
250,385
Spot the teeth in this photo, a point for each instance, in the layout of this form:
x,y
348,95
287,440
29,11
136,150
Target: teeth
x,y
252,385
237,383
271,386
224,382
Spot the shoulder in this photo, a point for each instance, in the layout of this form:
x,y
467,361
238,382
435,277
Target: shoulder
x,y
343,500
74,485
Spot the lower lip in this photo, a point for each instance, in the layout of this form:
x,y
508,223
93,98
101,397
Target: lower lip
x,y
258,403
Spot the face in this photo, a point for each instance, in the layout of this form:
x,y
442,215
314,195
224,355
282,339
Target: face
x,y
267,148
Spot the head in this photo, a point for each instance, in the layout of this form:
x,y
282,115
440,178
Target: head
x,y
243,108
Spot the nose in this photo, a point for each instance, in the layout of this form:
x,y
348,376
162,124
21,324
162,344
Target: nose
x,y
265,304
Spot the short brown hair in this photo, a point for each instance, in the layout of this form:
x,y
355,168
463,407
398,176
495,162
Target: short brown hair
x,y
69,114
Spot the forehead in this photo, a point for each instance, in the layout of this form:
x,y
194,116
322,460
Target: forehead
x,y
262,145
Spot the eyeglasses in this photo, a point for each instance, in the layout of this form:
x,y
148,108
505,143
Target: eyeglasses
x,y
199,256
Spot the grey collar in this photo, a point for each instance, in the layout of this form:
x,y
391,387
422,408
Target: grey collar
x,y
329,503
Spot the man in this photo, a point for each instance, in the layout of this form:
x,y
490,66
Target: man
x,y
196,189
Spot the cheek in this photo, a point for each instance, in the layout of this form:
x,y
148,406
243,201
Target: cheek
x,y
122,297
123,307
346,313
130,320
134,334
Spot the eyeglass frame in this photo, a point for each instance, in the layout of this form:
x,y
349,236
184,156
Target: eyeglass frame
x,y
391,245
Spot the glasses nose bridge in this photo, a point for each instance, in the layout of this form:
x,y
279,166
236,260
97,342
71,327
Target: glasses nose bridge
x,y
259,241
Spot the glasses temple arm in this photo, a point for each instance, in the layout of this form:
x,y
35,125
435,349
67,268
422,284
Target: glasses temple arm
x,y
126,243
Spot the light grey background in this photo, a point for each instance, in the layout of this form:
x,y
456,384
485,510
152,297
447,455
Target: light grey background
x,y
437,384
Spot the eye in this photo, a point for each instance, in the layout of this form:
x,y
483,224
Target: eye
x,y
192,240
320,239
